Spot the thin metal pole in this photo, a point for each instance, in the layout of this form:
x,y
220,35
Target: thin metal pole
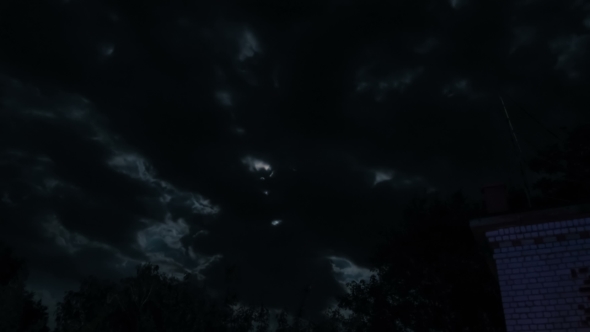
x,y
524,180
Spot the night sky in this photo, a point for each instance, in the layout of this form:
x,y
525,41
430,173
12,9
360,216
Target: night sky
x,y
279,137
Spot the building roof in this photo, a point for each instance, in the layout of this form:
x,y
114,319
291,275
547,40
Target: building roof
x,y
531,217
480,226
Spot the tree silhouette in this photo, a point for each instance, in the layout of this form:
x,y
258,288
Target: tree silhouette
x,y
564,169
430,276
148,301
152,301
19,312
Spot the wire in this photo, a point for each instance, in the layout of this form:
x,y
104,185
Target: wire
x,y
520,159
560,139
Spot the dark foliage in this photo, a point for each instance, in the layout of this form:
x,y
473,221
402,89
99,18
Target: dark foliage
x,y
565,170
19,312
431,276
149,301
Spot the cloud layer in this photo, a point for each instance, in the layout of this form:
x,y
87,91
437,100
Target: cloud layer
x,y
276,141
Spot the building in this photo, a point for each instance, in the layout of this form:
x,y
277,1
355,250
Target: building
x,y
541,260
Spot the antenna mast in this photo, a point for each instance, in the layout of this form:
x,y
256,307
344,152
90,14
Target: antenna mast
x,y
515,140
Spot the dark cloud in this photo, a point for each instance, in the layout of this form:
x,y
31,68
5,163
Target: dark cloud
x,y
280,137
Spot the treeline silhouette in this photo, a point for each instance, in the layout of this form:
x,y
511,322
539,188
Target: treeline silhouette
x,y
430,275
18,309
